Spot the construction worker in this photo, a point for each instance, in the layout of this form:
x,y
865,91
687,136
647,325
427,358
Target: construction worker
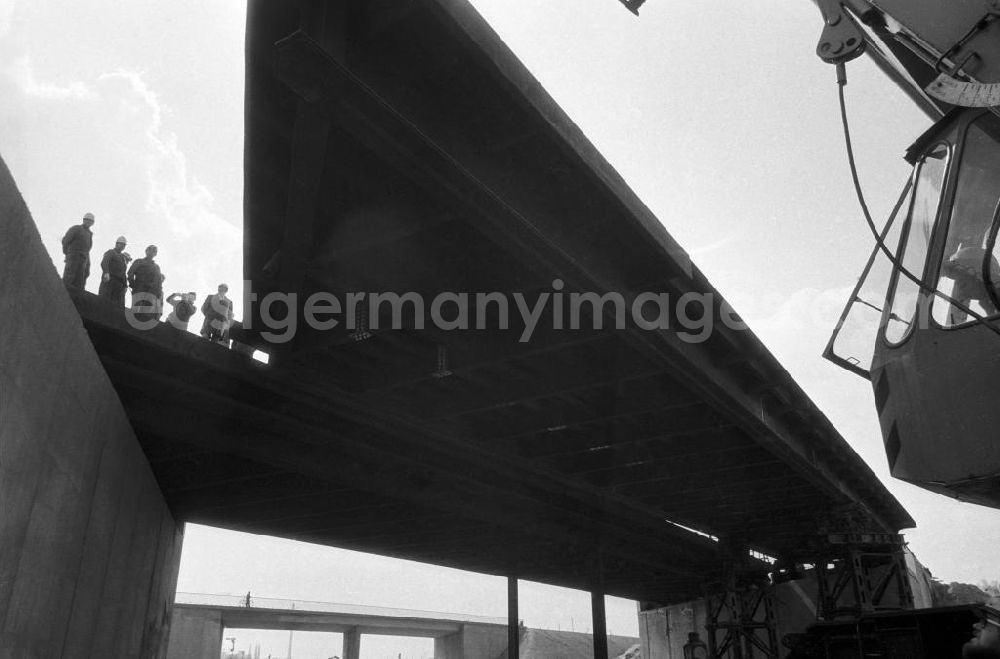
x,y
218,310
113,267
183,304
76,246
146,281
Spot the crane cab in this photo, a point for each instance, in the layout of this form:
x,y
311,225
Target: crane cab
x,y
924,326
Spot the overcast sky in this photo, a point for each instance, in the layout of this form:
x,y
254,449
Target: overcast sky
x,y
719,115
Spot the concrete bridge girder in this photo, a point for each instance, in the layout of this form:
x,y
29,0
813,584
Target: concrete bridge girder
x,y
197,630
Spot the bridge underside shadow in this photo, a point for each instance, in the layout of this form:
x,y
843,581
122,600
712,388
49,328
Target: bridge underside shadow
x,y
579,457
401,147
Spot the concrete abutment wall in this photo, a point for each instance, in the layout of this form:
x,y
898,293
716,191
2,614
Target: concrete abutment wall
x,y
88,549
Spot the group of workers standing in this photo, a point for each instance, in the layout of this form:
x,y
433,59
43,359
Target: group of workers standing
x,y
145,280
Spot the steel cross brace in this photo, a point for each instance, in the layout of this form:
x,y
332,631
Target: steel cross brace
x,y
855,578
741,624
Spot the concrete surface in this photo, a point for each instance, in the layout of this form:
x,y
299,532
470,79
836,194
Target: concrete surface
x,y
88,550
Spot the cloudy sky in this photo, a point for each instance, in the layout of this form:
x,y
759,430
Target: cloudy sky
x,y
718,114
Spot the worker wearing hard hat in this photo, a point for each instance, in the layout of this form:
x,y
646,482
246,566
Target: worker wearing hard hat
x,y
76,246
113,267
146,281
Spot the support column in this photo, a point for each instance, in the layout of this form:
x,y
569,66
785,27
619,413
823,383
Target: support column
x,y
600,626
513,621
451,646
195,634
352,644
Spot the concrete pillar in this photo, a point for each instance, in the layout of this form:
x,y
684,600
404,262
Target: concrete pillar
x,y
449,647
600,624
88,549
513,621
195,634
352,644
483,641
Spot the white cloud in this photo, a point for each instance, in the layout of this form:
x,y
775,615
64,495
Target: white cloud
x,y
6,12
173,194
715,245
117,151
198,247
24,76
808,310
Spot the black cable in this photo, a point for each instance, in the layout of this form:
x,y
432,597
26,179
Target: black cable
x,y
841,81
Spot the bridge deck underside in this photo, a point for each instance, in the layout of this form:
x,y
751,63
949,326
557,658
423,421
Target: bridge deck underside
x,y
399,147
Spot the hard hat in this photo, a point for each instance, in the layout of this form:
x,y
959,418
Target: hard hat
x,y
89,216
121,239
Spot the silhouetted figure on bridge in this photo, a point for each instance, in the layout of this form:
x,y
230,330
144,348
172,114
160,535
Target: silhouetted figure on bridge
x,y
183,304
218,310
76,246
113,266
146,282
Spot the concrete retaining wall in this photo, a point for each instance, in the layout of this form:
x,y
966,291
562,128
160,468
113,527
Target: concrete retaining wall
x,y
88,550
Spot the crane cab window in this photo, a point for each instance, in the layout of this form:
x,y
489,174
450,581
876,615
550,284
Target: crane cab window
x,y
961,275
916,239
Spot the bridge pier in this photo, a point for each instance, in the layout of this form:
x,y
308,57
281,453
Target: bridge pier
x,y
513,620
600,626
352,644
195,635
